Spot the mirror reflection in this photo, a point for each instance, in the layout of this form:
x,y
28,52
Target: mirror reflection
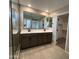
x,y
14,19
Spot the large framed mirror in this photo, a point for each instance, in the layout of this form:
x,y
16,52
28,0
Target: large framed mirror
x,y
36,21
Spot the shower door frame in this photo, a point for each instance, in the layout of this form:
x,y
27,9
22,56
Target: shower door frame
x,y
18,33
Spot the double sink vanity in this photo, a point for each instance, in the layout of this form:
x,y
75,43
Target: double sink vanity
x,y
34,38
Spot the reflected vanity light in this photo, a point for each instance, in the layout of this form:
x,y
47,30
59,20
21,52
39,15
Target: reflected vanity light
x,y
53,14
44,13
29,9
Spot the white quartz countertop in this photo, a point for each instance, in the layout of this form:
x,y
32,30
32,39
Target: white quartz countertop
x,y
35,31
32,31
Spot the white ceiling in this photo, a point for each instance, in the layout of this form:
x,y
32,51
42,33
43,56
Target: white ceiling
x,y
51,5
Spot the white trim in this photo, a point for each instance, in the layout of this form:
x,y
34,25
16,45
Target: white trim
x,y
63,13
67,37
58,14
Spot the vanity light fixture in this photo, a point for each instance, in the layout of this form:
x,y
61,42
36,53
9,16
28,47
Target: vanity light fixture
x,y
29,5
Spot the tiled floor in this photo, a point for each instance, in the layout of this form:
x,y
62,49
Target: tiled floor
x,y
44,52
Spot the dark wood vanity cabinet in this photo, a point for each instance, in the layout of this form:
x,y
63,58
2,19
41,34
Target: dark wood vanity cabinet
x,y
35,39
25,41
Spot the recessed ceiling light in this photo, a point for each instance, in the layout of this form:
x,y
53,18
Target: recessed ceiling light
x,y
29,5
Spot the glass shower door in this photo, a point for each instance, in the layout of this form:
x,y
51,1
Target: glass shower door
x,y
14,33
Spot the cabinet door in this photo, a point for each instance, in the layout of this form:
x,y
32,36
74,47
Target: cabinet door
x,y
40,39
47,38
33,40
25,42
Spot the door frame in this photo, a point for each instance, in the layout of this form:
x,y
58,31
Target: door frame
x,y
54,40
